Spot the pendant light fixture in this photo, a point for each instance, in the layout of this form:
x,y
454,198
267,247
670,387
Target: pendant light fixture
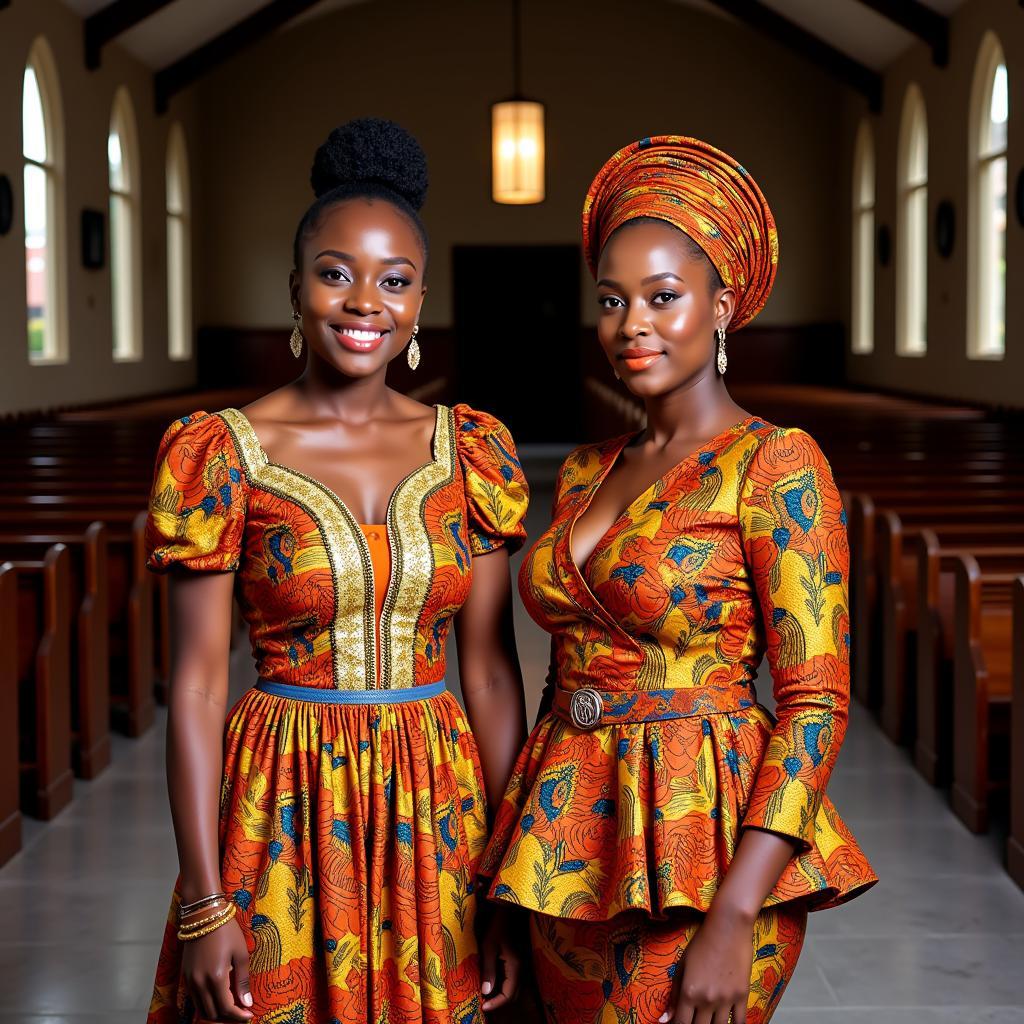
x,y
517,137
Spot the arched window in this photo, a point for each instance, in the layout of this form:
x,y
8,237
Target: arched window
x,y
862,313
912,229
125,229
179,248
986,204
42,147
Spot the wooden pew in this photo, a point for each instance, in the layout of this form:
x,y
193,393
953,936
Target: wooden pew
x,y
90,658
1015,842
865,614
131,608
44,697
10,782
935,559
897,572
981,683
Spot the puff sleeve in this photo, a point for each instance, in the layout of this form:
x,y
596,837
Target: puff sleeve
x,y
197,506
793,530
497,494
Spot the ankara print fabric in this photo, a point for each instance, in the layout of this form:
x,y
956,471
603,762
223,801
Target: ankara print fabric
x,y
350,835
737,551
622,970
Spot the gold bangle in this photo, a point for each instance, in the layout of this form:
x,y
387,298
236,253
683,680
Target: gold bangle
x,y
209,919
187,908
202,910
200,932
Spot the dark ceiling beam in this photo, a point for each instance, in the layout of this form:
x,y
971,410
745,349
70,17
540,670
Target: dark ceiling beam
x,y
919,19
183,72
110,21
809,46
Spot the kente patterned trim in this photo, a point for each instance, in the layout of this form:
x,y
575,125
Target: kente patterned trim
x,y
353,638
412,555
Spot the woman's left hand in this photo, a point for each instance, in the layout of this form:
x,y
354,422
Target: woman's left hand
x,y
712,977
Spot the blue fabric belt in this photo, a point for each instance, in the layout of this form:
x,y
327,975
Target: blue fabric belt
x,y
318,696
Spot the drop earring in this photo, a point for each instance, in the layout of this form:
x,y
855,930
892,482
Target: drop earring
x,y
723,360
295,342
412,353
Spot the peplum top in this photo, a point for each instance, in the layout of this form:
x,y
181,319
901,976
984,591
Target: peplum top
x,y
737,551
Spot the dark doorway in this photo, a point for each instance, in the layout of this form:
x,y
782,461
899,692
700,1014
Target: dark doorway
x,y
517,336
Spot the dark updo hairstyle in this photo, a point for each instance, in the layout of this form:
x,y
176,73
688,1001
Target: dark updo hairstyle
x,y
367,158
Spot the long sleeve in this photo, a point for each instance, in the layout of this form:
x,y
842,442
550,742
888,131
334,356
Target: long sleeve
x,y
793,530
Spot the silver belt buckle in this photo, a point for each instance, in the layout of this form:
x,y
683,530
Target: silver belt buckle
x,y
585,708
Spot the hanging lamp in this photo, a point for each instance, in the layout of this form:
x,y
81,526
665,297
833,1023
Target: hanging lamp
x,y
517,138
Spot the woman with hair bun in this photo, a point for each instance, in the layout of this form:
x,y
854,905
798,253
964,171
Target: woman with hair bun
x,y
667,832
329,835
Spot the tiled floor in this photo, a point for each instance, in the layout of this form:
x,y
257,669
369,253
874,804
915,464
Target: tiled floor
x,y
940,940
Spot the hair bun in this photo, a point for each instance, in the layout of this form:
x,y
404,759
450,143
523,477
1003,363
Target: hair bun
x,y
371,150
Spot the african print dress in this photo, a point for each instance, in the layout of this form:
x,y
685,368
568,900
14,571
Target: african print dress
x,y
626,805
350,834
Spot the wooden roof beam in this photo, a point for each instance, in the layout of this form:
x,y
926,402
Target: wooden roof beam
x,y
809,46
919,19
110,21
184,71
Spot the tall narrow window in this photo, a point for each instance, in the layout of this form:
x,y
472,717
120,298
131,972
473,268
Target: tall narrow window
x,y
862,312
912,230
44,262
125,233
179,248
986,204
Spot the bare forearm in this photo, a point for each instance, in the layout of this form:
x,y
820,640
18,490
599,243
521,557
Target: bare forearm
x,y
195,758
760,859
497,716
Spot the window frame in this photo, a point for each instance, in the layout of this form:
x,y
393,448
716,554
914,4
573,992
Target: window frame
x,y
126,301
56,348
912,227
179,247
862,282
981,159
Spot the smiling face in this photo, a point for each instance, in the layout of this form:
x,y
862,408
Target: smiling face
x,y
660,306
359,287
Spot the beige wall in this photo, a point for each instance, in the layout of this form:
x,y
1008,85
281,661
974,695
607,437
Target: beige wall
x,y
90,374
608,71
945,371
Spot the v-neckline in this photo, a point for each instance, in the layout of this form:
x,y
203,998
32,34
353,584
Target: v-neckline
x,y
595,486
439,410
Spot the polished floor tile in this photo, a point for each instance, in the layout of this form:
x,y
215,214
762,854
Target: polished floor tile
x,y
939,940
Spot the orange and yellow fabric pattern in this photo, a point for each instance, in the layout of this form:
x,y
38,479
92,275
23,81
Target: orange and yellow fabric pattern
x,y
350,833
737,551
706,194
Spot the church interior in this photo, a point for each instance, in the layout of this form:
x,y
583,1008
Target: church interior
x,y
154,160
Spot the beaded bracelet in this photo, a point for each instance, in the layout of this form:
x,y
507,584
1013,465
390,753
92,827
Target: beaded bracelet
x,y
199,931
216,916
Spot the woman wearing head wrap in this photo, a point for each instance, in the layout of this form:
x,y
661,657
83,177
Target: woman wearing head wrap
x,y
669,833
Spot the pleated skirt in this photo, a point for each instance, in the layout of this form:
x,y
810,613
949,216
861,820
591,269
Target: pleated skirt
x,y
350,838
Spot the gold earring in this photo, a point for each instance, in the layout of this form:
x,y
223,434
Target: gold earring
x,y
295,342
723,360
412,353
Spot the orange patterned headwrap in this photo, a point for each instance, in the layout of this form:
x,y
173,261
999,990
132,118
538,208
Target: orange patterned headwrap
x,y
703,192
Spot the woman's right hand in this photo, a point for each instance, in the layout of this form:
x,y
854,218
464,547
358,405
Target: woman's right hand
x,y
216,971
